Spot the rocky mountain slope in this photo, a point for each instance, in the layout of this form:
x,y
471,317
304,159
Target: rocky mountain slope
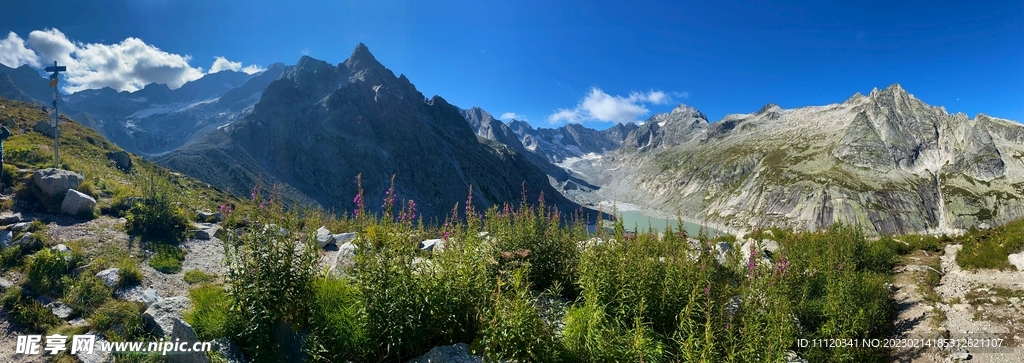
x,y
569,141
886,161
318,126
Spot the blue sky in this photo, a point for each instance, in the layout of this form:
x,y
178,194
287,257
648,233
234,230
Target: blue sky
x,y
552,62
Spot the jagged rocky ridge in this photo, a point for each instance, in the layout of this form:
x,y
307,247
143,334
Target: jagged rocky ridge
x,y
318,126
886,161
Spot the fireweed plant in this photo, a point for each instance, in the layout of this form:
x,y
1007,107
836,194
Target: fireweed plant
x,y
498,276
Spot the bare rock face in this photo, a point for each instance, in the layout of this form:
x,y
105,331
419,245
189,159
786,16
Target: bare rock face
x,y
457,353
885,161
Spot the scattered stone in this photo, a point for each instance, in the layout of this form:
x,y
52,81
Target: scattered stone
x,y
60,309
135,293
722,250
231,352
78,322
10,218
457,353
77,203
209,217
5,238
27,240
324,237
961,356
207,231
984,226
5,283
21,227
61,248
431,244
109,276
121,159
1017,260
792,357
920,268
97,356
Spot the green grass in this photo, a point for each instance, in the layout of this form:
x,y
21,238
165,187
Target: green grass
x,y
193,277
166,258
129,274
209,312
28,312
86,294
119,320
46,271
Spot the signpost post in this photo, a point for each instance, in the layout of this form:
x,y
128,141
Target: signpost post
x,y
56,116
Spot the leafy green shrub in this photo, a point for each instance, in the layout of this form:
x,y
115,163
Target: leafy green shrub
x,y
11,256
46,270
982,252
158,215
129,274
270,285
28,312
166,258
513,328
86,293
338,322
119,320
209,312
195,276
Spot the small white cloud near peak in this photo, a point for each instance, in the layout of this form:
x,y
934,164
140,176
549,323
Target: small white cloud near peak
x,y
14,54
221,64
512,115
600,106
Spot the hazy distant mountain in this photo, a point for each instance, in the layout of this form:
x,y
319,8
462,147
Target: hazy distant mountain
x,y
886,161
572,140
319,125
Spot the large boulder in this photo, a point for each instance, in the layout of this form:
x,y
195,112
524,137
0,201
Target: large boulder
x,y
97,356
121,159
324,237
51,185
432,244
164,318
136,293
5,238
457,353
77,203
209,217
207,231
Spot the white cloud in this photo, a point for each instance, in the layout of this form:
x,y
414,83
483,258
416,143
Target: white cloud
x,y
253,69
600,106
221,63
126,66
512,115
13,52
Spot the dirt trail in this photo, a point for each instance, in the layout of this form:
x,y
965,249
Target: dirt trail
x,y
982,304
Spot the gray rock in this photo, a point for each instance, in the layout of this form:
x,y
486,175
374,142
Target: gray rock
x,y
61,248
78,322
722,250
158,316
43,127
5,238
231,352
207,231
97,355
21,227
324,237
136,293
792,357
337,261
209,217
10,218
121,159
182,331
342,238
55,183
961,356
431,244
984,226
920,268
27,240
77,203
60,309
457,353
1017,260
5,283
109,276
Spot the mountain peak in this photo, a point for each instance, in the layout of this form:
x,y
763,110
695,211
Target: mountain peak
x,y
683,109
361,58
767,107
